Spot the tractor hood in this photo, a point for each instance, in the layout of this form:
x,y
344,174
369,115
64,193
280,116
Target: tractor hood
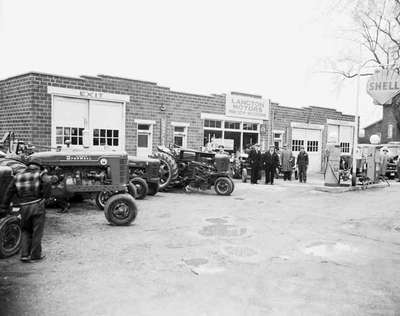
x,y
134,161
69,157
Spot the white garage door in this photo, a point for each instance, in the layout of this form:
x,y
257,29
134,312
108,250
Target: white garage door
x,y
107,123
311,139
104,120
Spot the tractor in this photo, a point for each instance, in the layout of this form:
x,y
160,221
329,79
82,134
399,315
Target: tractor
x,y
180,167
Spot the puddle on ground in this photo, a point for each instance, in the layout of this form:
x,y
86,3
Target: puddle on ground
x,y
329,249
216,220
220,230
241,252
195,262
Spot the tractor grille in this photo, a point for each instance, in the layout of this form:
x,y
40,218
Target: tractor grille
x,y
152,170
124,170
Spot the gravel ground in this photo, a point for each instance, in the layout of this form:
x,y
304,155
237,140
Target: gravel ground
x,y
266,250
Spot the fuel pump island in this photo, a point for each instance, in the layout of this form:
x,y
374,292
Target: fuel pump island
x,y
364,165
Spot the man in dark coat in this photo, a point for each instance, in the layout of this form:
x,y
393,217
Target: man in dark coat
x,y
302,164
255,163
270,162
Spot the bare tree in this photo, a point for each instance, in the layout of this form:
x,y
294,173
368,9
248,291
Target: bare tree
x,y
377,30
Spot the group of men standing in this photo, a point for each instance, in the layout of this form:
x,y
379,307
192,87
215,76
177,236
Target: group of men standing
x,y
270,161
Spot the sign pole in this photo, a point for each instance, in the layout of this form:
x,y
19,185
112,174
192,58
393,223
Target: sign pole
x,y
356,126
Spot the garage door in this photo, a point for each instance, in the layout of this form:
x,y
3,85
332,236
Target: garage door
x,y
107,123
311,139
104,120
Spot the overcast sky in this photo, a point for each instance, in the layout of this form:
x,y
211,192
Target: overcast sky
x,y
271,48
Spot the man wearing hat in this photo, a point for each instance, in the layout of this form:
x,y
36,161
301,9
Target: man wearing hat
x,y
302,164
270,161
255,162
286,163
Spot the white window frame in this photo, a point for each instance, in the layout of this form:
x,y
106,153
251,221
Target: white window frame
x,y
148,132
223,119
183,134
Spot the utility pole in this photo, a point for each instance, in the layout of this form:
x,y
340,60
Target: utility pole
x,y
356,126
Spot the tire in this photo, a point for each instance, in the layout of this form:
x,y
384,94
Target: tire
x,y
244,175
168,169
101,199
141,187
10,236
153,188
224,186
120,209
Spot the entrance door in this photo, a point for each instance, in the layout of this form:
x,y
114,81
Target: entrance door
x,y
144,140
311,140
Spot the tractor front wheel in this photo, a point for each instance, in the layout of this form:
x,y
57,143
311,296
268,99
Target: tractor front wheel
x,y
101,199
10,236
224,186
120,209
141,188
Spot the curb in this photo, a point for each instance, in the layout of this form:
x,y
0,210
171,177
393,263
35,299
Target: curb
x,y
349,188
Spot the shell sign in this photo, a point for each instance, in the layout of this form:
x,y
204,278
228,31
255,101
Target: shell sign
x,y
383,86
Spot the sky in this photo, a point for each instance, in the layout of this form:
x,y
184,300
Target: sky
x,y
271,48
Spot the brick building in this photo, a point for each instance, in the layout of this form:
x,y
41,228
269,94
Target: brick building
x,y
386,128
134,115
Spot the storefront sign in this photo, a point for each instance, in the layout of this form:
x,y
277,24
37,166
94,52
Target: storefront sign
x,y
86,94
246,107
383,86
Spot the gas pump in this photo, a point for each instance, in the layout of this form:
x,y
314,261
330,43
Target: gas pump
x,y
332,167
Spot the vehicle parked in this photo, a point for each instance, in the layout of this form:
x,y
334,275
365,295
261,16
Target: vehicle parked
x,y
194,170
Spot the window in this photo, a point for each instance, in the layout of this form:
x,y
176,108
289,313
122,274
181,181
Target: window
x,y
144,127
312,145
180,135
210,135
390,131
232,125
72,134
250,127
143,140
212,123
105,137
296,144
345,147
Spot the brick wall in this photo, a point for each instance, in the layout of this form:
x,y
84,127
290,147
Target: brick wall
x,y
26,108
16,106
373,129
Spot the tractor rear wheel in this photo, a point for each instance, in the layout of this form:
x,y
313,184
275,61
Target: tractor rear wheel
x,y
120,209
224,186
168,169
141,187
10,236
